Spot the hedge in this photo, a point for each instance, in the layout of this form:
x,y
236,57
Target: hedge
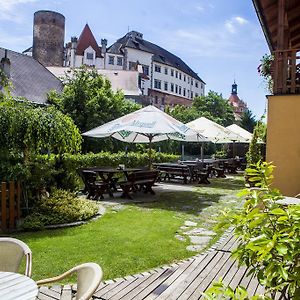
x,y
71,163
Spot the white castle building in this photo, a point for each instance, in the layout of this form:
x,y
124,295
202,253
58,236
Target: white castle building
x,y
162,77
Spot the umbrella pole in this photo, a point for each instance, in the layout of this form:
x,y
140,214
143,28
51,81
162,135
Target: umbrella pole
x,y
149,153
201,151
233,149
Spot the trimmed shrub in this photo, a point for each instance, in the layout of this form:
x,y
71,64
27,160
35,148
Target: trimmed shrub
x,y
61,207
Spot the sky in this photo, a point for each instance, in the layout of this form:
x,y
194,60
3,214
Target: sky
x,y
220,40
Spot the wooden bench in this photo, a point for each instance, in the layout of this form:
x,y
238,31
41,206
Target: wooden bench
x,y
174,171
231,166
94,188
139,181
202,174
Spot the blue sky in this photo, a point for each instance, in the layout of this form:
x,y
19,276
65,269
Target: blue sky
x,y
220,40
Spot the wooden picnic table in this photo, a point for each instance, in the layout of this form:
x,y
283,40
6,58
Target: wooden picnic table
x,y
107,175
175,170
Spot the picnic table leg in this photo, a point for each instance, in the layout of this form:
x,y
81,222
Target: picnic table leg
x,y
148,188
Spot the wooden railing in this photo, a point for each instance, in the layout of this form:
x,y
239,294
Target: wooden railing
x,y
10,195
286,72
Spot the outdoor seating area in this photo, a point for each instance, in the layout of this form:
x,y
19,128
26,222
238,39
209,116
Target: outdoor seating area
x,y
197,171
99,181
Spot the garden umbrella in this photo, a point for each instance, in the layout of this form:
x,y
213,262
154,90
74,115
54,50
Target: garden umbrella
x,y
146,125
241,131
214,131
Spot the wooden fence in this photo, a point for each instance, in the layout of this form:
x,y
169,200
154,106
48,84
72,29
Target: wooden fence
x,y
10,195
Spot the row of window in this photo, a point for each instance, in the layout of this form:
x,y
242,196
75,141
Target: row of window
x,y
177,74
111,60
174,88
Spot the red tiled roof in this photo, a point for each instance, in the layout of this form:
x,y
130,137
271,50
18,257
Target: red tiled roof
x,y
235,101
85,40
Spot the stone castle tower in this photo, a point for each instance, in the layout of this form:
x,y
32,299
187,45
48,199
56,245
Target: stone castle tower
x,y
48,38
239,106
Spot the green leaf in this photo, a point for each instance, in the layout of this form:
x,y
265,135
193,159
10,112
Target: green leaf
x,y
283,272
277,211
281,249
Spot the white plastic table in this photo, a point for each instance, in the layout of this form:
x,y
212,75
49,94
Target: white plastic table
x,y
17,286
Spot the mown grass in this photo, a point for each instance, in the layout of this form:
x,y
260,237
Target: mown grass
x,y
137,237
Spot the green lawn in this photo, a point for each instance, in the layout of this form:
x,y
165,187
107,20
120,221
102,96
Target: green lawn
x,y
136,238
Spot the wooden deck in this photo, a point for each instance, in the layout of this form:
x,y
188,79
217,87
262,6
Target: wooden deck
x,y
186,280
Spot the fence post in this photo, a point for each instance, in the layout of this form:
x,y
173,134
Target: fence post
x,y
10,194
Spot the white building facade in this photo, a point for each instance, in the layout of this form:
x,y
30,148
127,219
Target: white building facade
x,y
164,78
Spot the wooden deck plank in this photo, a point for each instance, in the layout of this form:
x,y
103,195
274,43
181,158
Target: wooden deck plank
x,y
189,277
165,290
201,275
252,286
225,244
101,292
231,273
46,294
236,279
222,271
126,289
145,292
138,289
211,277
66,293
260,290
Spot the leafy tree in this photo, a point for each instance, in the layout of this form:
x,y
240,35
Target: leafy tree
x,y
248,121
255,152
89,100
216,106
30,129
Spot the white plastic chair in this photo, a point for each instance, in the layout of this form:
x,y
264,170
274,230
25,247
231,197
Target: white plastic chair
x,y
89,276
11,253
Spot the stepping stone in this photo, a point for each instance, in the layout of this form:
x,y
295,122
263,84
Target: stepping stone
x,y
200,240
184,227
202,231
180,237
190,224
187,207
118,207
206,202
194,248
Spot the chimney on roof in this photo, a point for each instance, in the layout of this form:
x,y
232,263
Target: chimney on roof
x,y
74,41
103,45
5,64
73,51
135,34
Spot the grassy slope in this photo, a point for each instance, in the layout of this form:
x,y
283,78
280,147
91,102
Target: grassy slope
x,y
135,239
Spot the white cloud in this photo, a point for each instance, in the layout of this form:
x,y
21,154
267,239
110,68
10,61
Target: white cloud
x,y
213,41
240,20
199,7
9,11
232,24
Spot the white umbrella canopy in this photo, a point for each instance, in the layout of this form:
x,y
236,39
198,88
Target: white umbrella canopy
x,y
241,131
145,125
214,132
